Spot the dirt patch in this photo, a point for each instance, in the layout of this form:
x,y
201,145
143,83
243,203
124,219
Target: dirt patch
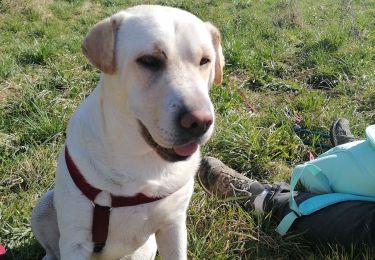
x,y
89,6
16,6
7,92
42,7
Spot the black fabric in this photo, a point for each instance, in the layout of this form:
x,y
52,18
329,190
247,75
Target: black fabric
x,y
346,223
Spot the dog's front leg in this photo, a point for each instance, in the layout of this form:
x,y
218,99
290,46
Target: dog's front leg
x,y
172,241
70,249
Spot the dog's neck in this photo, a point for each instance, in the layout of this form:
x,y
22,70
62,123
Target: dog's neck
x,y
105,141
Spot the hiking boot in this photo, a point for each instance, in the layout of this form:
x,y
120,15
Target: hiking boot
x,y
219,180
340,132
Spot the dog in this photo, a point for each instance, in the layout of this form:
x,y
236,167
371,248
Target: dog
x,y
125,176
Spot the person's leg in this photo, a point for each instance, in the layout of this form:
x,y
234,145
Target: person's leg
x,y
344,223
219,180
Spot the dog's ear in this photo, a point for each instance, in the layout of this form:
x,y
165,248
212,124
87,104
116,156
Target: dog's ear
x,y
100,44
219,63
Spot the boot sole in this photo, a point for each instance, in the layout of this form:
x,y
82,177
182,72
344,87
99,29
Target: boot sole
x,y
332,135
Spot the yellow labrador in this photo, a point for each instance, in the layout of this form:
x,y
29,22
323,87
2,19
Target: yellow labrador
x,y
125,176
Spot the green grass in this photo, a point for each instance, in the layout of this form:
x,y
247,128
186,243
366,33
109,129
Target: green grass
x,y
314,59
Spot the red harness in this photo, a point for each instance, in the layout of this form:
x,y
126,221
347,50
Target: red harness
x,y
100,220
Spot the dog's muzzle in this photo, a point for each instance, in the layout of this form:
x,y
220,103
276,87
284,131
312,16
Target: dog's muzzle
x,y
169,154
191,126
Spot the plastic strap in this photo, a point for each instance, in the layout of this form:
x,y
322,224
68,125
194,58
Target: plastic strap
x,y
316,203
321,201
297,174
370,134
286,223
288,220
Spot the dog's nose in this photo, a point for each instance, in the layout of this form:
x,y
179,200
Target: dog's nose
x,y
196,122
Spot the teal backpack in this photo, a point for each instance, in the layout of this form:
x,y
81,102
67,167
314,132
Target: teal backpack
x,y
345,172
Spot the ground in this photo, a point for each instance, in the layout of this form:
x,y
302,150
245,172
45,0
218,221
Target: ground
x,y
286,61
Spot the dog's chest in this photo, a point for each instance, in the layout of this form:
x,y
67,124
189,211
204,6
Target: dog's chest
x,y
131,227
131,223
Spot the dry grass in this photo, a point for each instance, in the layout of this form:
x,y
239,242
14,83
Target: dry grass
x,y
311,59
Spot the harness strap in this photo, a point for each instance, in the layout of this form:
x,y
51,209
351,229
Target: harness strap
x,y
88,190
100,221
100,224
140,198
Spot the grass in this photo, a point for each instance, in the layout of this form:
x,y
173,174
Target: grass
x,y
287,58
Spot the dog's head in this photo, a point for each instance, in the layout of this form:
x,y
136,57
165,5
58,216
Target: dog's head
x,y
164,60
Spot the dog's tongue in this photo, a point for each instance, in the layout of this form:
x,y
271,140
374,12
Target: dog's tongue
x,y
185,150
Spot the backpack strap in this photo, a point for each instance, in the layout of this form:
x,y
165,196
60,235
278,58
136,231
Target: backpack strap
x,y
298,171
316,203
370,134
297,174
286,223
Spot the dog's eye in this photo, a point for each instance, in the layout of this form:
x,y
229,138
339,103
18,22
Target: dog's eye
x,y
204,61
150,62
